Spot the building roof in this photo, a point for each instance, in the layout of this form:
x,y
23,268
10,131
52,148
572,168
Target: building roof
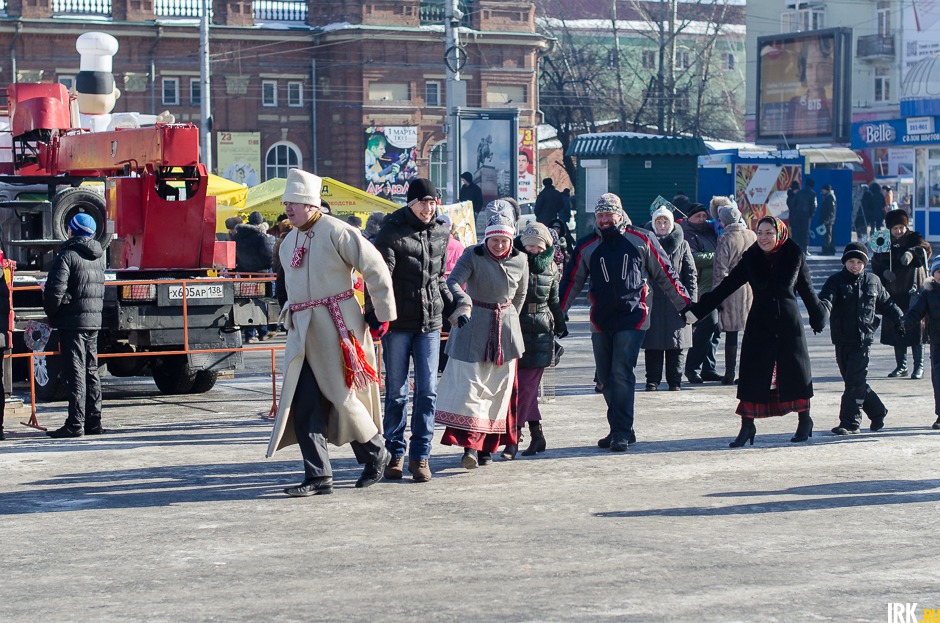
x,y
635,144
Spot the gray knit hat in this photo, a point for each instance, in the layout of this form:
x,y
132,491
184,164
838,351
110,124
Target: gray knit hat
x,y
609,202
729,214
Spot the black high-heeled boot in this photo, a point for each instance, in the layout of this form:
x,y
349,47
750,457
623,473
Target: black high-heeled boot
x,y
746,434
804,428
538,439
509,452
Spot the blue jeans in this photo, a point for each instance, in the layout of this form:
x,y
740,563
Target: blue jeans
x,y
398,348
615,355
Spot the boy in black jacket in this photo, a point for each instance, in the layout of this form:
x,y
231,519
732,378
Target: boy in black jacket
x,y
853,297
926,303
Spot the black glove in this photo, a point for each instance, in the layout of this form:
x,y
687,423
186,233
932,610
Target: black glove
x,y
372,321
561,333
900,328
462,321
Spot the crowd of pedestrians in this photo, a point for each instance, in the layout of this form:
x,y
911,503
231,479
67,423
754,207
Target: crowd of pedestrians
x,y
690,275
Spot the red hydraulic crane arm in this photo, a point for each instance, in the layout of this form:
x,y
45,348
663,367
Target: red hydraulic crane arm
x,y
103,154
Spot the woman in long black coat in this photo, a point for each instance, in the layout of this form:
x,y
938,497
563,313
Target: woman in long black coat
x,y
776,378
903,271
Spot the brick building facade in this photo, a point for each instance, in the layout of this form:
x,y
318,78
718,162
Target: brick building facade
x,y
309,76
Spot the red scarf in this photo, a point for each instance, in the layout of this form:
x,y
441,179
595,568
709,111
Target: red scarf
x,y
783,233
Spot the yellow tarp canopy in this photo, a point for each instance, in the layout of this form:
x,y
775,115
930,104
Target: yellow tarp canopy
x,y
343,199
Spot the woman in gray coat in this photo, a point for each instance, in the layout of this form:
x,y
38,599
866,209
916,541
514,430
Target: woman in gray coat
x,y
484,345
732,243
668,333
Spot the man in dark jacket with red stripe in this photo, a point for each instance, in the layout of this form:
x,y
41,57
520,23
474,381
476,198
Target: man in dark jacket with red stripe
x,y
620,259
73,298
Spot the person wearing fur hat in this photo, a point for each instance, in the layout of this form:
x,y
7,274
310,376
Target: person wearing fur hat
x,y
925,307
489,286
73,299
735,239
540,319
668,335
330,389
413,242
374,224
903,271
853,297
701,364
620,261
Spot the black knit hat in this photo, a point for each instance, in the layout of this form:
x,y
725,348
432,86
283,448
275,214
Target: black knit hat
x,y
896,217
855,250
420,189
695,208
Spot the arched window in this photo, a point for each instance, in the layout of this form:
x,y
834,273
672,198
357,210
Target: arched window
x,y
281,158
438,167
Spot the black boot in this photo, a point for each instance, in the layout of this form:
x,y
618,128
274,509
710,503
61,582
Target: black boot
x,y
470,459
804,428
538,439
746,434
509,452
484,458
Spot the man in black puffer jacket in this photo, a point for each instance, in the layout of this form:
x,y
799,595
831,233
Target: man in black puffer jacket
x,y
413,241
73,299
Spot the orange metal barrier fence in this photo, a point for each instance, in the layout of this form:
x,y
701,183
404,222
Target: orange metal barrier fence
x,y
234,278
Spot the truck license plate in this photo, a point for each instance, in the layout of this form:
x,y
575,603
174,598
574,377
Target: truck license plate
x,y
207,291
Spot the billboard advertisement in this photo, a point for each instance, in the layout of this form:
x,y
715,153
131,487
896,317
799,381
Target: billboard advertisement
x,y
488,149
804,87
390,161
239,156
526,187
761,190
921,32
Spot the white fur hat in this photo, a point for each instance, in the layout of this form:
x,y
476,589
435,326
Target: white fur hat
x,y
664,212
302,187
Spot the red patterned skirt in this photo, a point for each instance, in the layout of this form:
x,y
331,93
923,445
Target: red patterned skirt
x,y
775,407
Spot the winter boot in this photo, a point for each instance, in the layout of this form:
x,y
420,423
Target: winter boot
x,y
804,428
746,434
538,439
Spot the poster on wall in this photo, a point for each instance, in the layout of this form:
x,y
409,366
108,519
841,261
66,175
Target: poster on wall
x,y
239,156
761,190
921,32
464,222
804,86
527,190
488,149
390,161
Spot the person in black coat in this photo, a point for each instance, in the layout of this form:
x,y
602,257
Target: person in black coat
x,y
775,368
875,211
470,192
550,203
827,218
853,297
413,243
903,270
73,299
925,306
801,214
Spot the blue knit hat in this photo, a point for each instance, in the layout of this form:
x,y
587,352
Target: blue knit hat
x,y
82,225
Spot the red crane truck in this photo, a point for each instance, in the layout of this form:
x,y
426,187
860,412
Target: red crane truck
x,y
159,223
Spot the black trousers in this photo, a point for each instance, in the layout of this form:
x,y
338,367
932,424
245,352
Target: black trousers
x,y
80,373
731,354
900,355
654,366
858,395
935,376
309,411
705,338
828,248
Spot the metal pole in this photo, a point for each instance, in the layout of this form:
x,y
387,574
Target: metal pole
x,y
205,133
313,116
452,54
